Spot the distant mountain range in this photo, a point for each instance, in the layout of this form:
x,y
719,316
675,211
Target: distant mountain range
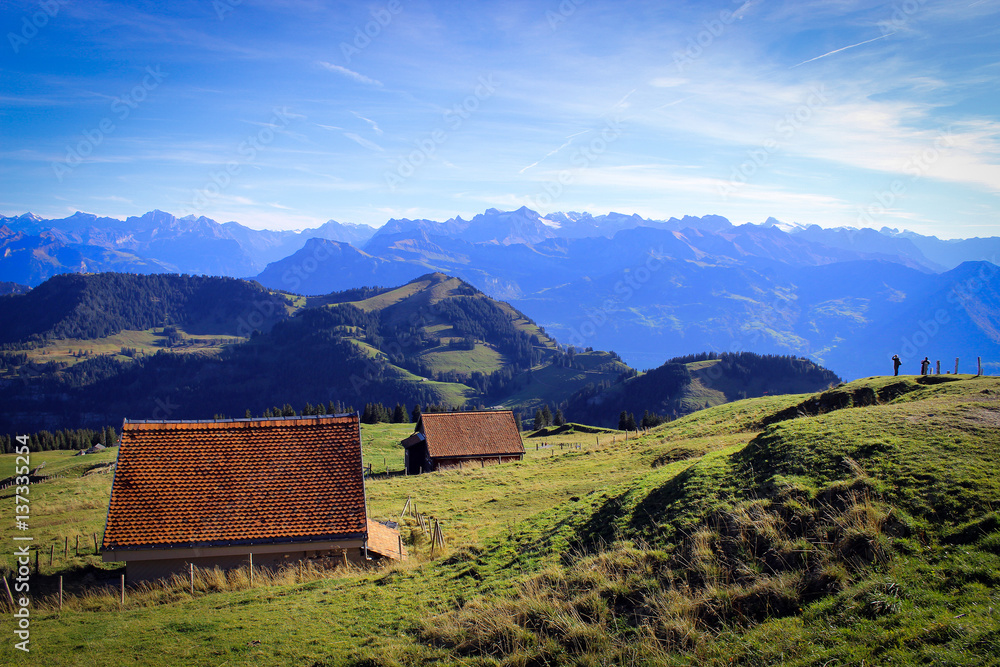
x,y
34,249
649,289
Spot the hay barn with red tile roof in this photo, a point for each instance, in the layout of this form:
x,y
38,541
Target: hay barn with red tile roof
x,y
447,440
211,493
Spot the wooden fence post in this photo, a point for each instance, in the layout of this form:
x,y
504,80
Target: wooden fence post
x,y
123,591
36,561
938,367
438,534
60,592
956,365
97,552
52,551
10,596
77,545
400,538
979,366
191,568
66,547
251,569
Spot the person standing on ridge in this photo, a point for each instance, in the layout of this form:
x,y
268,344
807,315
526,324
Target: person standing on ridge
x,y
925,366
896,363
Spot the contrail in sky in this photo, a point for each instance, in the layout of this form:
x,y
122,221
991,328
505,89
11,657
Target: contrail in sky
x,y
843,49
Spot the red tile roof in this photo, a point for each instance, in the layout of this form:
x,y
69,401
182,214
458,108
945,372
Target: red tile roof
x,y
457,434
385,541
237,482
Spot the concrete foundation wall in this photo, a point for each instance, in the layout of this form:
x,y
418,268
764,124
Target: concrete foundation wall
x,y
163,568
461,464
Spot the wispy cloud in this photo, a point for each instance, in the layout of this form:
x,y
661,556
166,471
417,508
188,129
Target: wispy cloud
x,y
115,198
623,102
374,125
742,10
361,141
351,74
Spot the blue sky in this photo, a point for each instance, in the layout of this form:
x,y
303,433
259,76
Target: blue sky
x,y
283,114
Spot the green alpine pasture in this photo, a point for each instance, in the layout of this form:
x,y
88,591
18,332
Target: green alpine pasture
x,y
857,526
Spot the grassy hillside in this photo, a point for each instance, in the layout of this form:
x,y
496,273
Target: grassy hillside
x,y
95,357
683,385
552,383
855,526
73,350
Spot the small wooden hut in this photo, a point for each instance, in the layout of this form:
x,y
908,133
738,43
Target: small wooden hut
x,y
446,440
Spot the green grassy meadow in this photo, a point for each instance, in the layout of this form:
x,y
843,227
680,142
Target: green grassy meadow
x,y
149,341
859,526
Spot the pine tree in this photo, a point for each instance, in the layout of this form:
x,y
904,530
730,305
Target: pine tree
x,y
539,420
546,415
399,415
558,419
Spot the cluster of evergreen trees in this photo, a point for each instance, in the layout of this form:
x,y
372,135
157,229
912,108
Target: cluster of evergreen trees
x,y
544,417
330,408
12,360
376,412
43,441
627,422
